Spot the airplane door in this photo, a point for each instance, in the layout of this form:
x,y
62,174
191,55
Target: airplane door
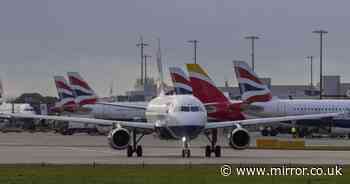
x,y
282,108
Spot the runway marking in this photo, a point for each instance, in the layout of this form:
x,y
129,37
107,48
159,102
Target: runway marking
x,y
89,150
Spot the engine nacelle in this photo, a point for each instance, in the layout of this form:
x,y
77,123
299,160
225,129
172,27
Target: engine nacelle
x,y
239,138
119,138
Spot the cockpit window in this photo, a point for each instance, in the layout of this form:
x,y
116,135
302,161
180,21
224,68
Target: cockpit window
x,y
190,108
185,108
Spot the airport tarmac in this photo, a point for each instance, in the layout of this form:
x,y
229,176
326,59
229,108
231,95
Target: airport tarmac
x,y
84,149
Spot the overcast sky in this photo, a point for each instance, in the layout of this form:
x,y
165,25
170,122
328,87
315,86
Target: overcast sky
x,y
42,38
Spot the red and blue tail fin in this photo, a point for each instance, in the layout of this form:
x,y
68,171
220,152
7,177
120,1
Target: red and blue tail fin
x,y
251,87
65,93
181,82
83,92
203,87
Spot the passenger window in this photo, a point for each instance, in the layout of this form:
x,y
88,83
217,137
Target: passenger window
x,y
185,108
194,108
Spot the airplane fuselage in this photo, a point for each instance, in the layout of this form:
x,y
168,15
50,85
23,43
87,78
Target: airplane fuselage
x,y
303,107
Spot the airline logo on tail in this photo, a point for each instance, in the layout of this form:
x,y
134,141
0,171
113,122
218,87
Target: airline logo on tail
x,y
65,94
181,82
252,88
84,94
203,87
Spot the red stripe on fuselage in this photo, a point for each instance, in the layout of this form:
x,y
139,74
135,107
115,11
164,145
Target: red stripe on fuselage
x,y
259,98
88,101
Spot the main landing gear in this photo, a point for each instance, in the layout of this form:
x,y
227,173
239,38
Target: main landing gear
x,y
134,148
186,152
213,147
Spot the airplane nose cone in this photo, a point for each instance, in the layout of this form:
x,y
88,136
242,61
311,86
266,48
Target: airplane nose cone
x,y
189,124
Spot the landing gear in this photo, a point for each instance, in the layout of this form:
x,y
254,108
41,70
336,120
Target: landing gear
x,y
213,147
134,147
139,151
186,152
217,151
266,131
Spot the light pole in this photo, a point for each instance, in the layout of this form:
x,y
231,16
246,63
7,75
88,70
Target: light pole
x,y
252,39
194,48
311,72
141,44
321,33
145,60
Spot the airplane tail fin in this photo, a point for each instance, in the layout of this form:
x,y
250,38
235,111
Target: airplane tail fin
x,y
161,86
65,94
83,92
181,82
1,92
203,87
251,87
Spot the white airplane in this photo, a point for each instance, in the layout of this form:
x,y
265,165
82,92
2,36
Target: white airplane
x,y
259,102
14,107
79,98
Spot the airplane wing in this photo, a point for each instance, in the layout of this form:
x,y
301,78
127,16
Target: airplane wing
x,y
130,106
224,124
130,124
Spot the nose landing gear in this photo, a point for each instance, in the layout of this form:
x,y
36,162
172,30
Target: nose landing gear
x,y
186,152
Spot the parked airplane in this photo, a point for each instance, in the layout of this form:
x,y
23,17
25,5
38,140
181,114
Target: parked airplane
x,y
259,101
87,100
13,107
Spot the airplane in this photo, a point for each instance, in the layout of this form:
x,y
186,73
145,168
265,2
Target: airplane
x,y
87,100
259,101
13,107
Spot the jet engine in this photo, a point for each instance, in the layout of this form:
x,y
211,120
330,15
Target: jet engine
x,y
119,138
239,138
